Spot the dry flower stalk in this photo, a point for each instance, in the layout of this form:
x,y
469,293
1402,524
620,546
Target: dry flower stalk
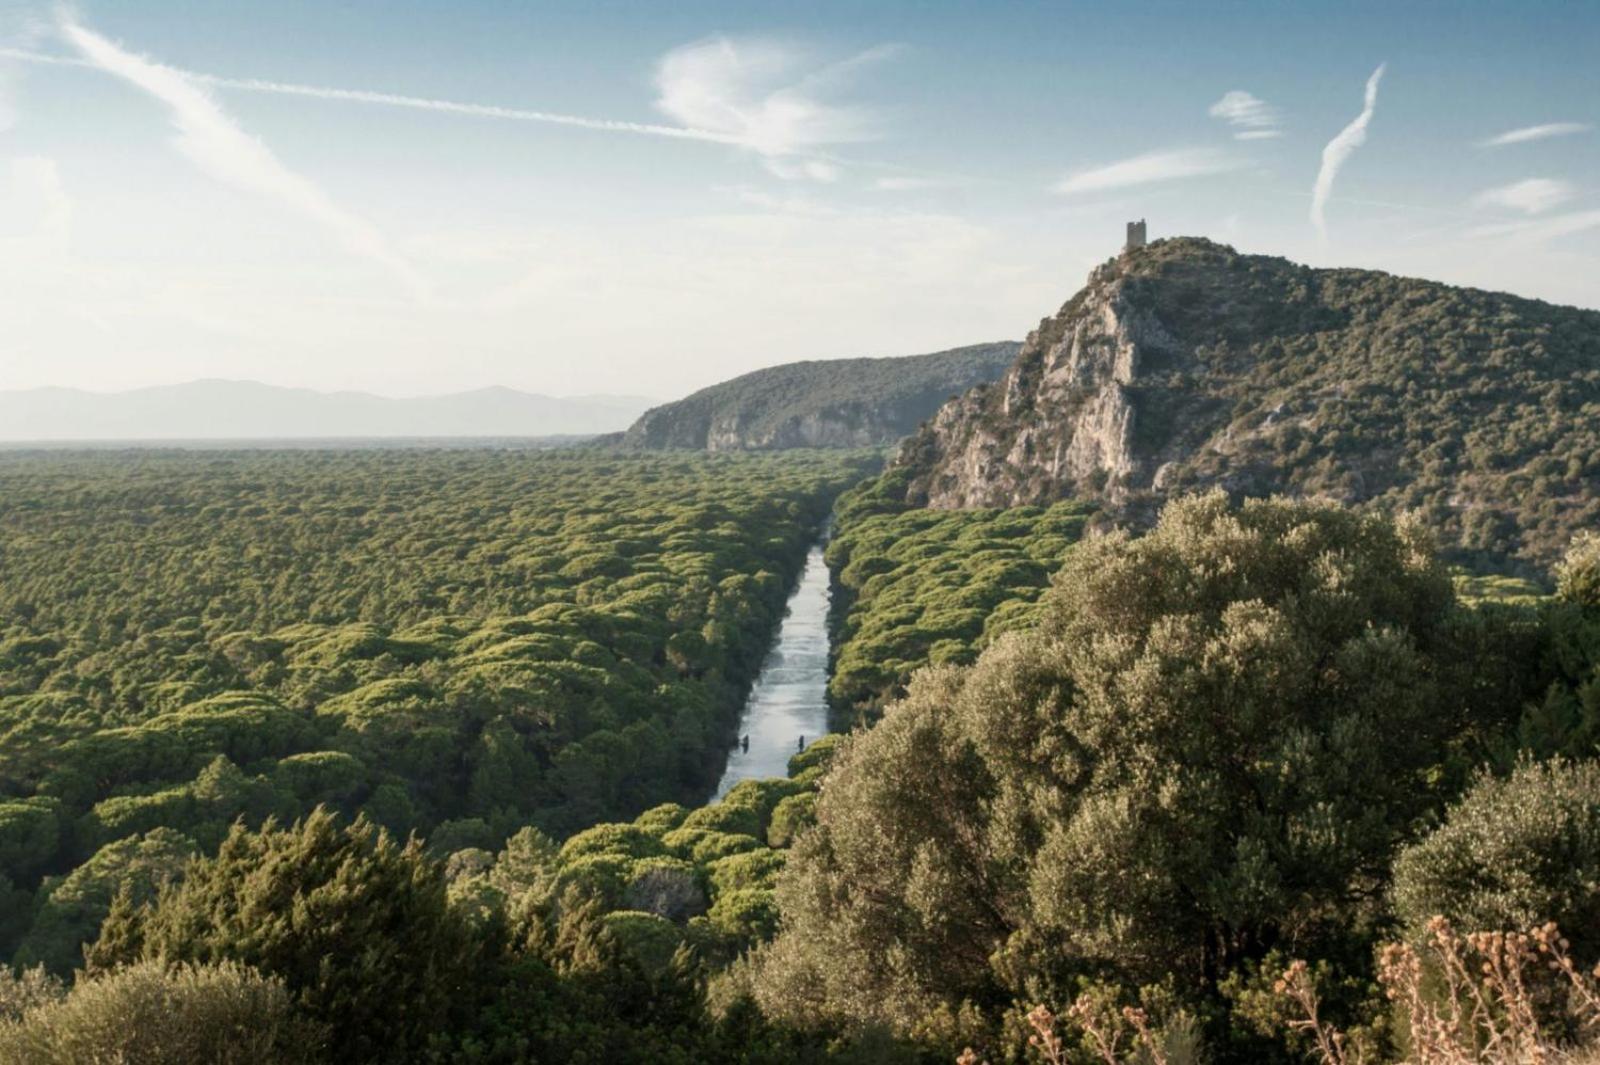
x,y
1482,1008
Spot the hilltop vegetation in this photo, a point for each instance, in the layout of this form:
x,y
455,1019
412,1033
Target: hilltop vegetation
x,y
460,643
831,403
1185,364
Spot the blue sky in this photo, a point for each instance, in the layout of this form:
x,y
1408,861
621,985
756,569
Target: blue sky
x,y
707,188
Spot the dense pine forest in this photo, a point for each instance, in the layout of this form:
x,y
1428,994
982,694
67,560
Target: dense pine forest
x,y
404,756
459,644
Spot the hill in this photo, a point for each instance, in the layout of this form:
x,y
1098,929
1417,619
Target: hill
x,y
216,409
1185,364
819,403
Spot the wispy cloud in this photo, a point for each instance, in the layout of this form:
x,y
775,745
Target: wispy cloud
x,y
1251,117
759,95
1530,196
1150,168
755,95
213,142
8,106
22,30
909,184
1539,231
791,169
1535,133
1338,150
415,103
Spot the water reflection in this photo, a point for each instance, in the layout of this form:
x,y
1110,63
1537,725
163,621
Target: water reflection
x,y
789,700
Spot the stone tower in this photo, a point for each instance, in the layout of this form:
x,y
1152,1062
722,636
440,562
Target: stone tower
x,y
1136,238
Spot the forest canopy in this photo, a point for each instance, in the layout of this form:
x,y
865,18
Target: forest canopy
x,y
457,642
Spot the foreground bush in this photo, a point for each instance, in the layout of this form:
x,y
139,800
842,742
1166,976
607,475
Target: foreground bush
x,y
1512,853
1211,747
357,927
152,1014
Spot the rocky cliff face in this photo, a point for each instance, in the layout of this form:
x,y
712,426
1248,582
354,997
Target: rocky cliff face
x,y
829,403
1062,420
1183,365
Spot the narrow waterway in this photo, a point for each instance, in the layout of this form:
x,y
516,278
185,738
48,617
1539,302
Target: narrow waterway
x,y
789,700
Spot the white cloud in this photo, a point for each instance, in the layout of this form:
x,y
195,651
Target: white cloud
x,y
1149,168
1338,150
219,147
1535,133
1253,118
1530,196
757,94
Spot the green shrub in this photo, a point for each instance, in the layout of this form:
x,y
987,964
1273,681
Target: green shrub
x,y
752,869
725,817
30,832
703,846
1578,574
762,796
357,927
662,819
647,938
792,814
612,839
748,914
224,1014
1513,853
70,909
601,876
807,765
21,991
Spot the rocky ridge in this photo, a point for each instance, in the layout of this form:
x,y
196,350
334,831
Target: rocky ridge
x,y
1184,364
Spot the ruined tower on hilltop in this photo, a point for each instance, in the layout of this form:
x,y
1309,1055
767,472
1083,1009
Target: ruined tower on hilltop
x,y
1136,238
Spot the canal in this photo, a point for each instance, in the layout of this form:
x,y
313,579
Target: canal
x,y
789,700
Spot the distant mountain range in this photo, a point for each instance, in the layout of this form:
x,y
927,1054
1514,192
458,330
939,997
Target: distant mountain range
x,y
820,403
237,410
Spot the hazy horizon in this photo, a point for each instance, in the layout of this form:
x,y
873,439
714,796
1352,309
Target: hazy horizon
x,y
374,392
217,409
572,200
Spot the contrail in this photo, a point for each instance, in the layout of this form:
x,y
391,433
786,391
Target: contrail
x,y
217,145
415,103
1339,149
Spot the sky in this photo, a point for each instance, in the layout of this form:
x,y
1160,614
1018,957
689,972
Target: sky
x,y
411,197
